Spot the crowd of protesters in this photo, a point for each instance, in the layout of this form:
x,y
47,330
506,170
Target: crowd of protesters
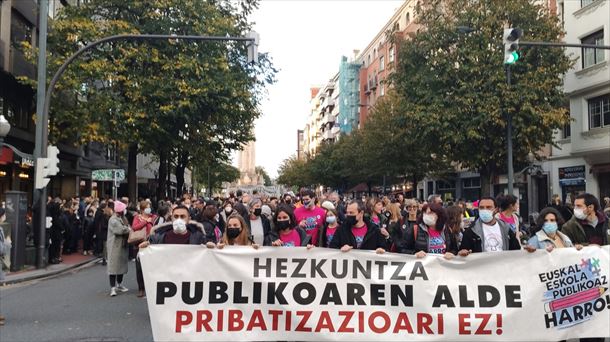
x,y
383,224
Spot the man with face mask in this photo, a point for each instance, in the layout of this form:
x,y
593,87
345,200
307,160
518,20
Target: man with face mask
x,y
356,233
310,217
181,230
488,234
588,226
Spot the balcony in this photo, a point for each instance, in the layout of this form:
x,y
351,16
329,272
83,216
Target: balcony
x,y
335,130
19,66
329,102
373,83
328,118
328,135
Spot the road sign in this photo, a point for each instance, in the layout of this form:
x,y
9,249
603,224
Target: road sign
x,y
108,175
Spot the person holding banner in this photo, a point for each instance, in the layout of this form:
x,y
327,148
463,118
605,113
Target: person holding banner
x,y
286,232
430,235
181,231
259,226
546,234
330,228
236,233
356,233
488,234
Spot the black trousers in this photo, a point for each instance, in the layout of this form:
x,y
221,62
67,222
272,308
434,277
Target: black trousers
x,y
55,246
115,278
139,275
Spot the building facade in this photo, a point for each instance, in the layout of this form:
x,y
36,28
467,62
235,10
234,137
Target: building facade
x,y
581,160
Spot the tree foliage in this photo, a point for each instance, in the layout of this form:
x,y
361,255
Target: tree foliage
x,y
455,87
166,97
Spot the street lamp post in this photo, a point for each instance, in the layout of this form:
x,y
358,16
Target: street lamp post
x,y
42,128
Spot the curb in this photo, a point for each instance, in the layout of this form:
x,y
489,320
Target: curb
x,y
49,274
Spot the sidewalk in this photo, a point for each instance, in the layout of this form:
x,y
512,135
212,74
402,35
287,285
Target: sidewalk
x,y
71,261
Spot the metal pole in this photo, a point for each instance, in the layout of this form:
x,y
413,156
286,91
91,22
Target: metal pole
x,y
509,138
550,44
40,148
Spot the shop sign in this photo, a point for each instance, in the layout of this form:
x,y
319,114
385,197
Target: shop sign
x,y
572,172
108,175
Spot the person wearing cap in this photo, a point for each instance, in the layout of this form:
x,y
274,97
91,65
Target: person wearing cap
x,y
116,244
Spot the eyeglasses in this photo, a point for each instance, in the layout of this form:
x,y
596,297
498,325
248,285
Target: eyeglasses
x,y
184,217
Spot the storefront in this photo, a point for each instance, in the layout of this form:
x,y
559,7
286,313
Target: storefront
x,y
16,173
573,182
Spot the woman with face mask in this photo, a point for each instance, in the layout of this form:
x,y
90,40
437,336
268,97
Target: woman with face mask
x,y
227,210
144,220
329,228
287,233
430,235
259,226
236,233
546,232
116,244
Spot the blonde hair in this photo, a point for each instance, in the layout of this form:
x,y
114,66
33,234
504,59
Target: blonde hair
x,y
242,239
394,209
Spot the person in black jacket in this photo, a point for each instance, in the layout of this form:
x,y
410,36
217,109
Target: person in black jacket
x,y
488,234
356,233
430,234
207,217
259,226
54,211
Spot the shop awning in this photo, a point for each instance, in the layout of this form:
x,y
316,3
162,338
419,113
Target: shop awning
x,y
601,168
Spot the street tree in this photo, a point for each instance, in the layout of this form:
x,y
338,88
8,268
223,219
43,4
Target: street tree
x,y
455,88
156,96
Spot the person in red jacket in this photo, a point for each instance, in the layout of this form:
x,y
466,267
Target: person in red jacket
x,y
144,220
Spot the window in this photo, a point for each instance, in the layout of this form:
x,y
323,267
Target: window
x,y
408,18
381,63
470,183
566,131
592,56
391,54
599,111
584,3
369,63
111,153
21,29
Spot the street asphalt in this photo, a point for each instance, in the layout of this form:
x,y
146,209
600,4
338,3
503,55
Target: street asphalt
x,y
74,306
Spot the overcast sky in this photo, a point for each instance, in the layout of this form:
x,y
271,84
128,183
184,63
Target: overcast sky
x,y
306,39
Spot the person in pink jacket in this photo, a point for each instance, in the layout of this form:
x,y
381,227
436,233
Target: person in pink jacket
x,y
144,220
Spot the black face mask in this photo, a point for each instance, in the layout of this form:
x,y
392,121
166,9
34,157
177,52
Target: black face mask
x,y
350,220
258,211
232,233
283,225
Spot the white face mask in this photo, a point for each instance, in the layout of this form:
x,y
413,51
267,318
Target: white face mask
x,y
430,219
580,214
147,211
179,226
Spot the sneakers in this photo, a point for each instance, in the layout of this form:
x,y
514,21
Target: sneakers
x,y
113,291
122,288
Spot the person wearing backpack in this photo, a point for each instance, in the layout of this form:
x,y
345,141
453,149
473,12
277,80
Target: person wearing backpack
x,y
430,234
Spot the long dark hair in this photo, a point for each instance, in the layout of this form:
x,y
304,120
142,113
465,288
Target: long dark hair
x,y
440,212
285,209
454,221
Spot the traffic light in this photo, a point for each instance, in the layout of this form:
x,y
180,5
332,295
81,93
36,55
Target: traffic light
x,y
46,167
511,45
253,47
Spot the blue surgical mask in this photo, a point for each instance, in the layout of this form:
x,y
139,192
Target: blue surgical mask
x,y
331,219
486,215
549,227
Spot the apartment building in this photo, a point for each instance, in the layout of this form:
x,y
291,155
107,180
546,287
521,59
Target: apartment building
x,y
581,160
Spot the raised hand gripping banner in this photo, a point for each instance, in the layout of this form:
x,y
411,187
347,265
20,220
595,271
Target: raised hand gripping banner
x,y
294,294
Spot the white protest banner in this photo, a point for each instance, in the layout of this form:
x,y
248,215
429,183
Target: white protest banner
x,y
292,294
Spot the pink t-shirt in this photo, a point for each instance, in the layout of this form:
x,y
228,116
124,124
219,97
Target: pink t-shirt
x,y
359,233
291,239
330,232
436,242
510,220
314,219
375,219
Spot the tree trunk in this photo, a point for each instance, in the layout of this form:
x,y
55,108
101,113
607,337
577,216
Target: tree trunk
x,y
169,179
180,167
486,186
162,176
132,173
